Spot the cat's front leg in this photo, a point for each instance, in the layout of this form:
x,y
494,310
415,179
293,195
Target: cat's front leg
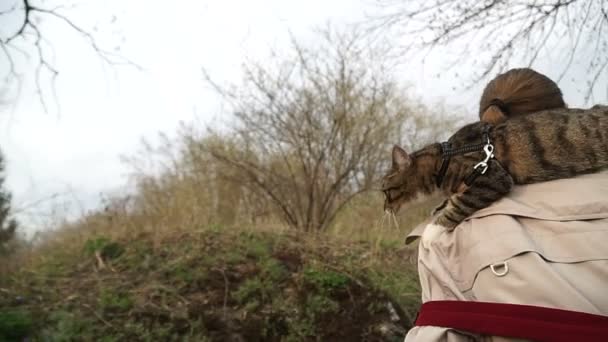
x,y
433,230
450,214
453,213
485,190
439,224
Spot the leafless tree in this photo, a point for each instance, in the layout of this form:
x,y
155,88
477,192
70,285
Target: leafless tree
x,y
492,32
21,37
315,128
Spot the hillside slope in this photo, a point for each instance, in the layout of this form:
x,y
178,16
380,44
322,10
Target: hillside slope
x,y
211,285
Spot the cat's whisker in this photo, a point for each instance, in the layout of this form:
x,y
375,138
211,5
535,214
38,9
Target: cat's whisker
x,y
380,222
395,220
383,222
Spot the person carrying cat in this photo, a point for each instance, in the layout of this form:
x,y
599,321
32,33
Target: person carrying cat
x,y
529,265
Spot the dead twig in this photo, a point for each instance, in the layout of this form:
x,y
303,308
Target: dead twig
x,y
226,290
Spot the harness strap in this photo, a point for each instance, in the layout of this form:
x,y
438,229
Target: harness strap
x,y
445,162
516,321
473,176
447,152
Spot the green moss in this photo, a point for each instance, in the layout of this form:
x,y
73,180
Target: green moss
x,y
15,324
318,305
250,289
325,280
273,270
107,248
233,257
69,326
257,246
115,301
301,329
181,272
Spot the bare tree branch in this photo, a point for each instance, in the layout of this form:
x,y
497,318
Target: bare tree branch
x,y
19,42
510,30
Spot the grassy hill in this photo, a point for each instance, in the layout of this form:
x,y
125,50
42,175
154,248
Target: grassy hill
x,y
212,284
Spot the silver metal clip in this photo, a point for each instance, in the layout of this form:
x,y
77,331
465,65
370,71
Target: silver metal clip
x,y
489,150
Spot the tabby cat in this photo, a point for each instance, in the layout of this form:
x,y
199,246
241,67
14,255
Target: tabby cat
x,y
481,162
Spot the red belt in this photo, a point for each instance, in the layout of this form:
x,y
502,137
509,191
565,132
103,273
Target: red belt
x,y
517,321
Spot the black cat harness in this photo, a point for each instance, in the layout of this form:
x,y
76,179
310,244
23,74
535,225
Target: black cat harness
x,y
447,152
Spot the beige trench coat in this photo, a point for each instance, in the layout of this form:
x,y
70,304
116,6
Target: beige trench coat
x,y
550,239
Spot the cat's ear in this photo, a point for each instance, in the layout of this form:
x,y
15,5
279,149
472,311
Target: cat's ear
x,y
400,158
493,115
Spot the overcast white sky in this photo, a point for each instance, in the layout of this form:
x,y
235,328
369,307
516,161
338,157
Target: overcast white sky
x,y
106,112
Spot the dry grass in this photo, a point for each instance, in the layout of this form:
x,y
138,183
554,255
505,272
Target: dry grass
x,y
129,268
118,277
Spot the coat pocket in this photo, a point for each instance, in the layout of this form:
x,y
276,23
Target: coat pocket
x,y
559,264
533,279
488,244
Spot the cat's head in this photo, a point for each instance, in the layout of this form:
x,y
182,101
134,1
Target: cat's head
x,y
399,185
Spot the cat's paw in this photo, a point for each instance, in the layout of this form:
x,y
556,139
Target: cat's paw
x,y
431,233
